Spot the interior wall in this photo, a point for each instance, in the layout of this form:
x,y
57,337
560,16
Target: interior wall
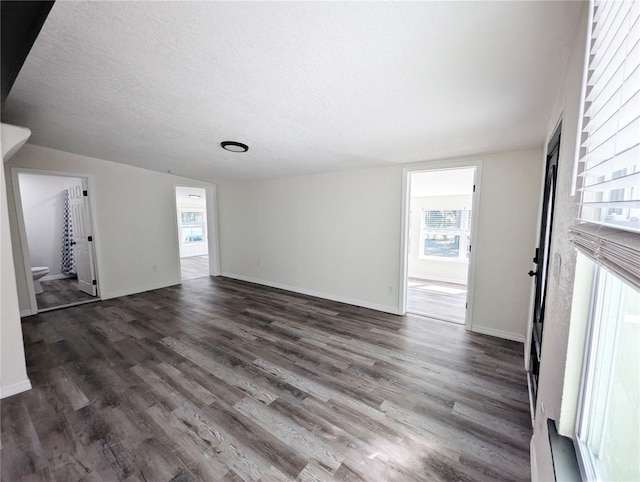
x,y
136,234
557,328
334,235
13,375
506,241
448,270
43,209
338,236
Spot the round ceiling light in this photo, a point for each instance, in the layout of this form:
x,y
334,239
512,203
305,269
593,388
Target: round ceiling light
x,y
234,146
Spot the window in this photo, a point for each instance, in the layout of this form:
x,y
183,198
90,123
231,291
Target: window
x,y
609,170
608,232
192,226
608,433
445,234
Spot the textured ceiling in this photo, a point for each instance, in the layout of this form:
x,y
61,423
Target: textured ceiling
x,y
310,87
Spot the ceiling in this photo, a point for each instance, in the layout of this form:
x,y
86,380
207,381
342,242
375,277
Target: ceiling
x,y
445,182
184,193
311,87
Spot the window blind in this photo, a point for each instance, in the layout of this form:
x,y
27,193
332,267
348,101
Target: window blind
x,y
609,166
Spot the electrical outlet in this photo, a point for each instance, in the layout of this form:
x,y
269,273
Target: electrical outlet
x,y
390,290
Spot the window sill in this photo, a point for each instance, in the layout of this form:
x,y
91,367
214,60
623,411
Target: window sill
x,y
563,453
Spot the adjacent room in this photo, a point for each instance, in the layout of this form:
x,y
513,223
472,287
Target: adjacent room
x,y
191,205
51,235
439,236
321,241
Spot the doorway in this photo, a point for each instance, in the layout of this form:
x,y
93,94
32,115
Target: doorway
x,y
440,203
57,236
541,261
193,232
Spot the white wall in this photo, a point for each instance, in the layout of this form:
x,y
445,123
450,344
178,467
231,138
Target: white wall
x,y
13,371
43,209
506,241
554,382
337,235
449,270
136,232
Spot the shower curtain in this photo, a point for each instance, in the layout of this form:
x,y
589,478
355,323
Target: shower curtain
x,y
68,258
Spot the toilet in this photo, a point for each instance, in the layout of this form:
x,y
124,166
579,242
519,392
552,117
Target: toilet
x,y
38,272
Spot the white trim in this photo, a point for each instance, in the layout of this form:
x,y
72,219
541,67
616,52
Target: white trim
x,y
318,294
213,230
15,388
483,330
22,234
139,289
24,313
475,210
53,277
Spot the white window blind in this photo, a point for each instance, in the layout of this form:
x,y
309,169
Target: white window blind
x,y
609,166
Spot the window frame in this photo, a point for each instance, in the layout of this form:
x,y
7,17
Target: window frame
x,y
590,369
202,224
463,232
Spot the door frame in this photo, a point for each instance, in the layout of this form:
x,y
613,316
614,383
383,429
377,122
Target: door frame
x,y
404,231
553,144
22,231
213,243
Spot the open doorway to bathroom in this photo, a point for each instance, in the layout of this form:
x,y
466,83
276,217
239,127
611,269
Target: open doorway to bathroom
x,y
439,242
191,207
57,238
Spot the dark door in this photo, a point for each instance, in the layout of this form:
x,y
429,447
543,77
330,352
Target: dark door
x,y
541,260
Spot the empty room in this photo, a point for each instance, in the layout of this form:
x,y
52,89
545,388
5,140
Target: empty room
x,y
320,241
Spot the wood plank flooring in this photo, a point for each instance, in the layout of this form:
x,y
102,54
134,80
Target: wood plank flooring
x,y
217,379
61,292
435,299
194,267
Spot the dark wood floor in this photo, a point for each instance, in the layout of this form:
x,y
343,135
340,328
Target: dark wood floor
x,y
61,292
194,267
217,379
436,299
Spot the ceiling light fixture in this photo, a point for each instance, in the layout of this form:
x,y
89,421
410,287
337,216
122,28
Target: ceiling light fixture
x,y
196,196
234,146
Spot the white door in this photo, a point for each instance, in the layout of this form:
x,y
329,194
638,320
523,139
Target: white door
x,y
82,238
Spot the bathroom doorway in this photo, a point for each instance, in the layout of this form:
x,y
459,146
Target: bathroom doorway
x,y
57,237
193,232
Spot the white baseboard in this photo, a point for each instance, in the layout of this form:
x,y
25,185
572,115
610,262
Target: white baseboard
x,y
498,333
16,388
318,294
140,289
24,313
51,277
436,278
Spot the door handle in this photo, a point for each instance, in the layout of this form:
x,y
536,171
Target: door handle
x,y
532,273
